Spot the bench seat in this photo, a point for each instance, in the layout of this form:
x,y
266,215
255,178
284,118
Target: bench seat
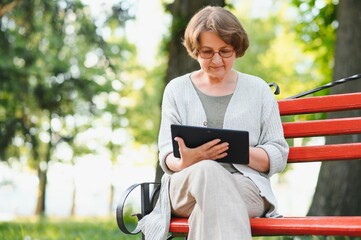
x,y
292,226
320,225
295,126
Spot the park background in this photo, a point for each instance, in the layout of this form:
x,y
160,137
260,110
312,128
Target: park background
x,y
80,90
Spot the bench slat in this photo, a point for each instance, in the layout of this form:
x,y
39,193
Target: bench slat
x,y
320,104
330,226
322,127
331,152
292,226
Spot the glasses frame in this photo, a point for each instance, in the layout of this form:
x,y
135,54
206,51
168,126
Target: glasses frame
x,y
219,53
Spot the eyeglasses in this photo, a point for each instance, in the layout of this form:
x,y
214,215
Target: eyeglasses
x,y
224,53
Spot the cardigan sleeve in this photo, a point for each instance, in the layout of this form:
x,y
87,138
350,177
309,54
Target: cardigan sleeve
x,y
170,115
272,138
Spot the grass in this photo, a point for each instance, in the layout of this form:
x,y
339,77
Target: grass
x,y
63,229
88,229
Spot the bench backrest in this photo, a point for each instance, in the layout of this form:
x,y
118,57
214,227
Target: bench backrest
x,y
326,127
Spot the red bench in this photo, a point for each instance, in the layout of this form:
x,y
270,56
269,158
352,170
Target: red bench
x,y
293,226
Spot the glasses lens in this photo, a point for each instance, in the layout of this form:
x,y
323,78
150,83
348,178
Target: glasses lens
x,y
207,54
226,53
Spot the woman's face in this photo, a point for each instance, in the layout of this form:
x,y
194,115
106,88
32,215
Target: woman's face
x,y
216,66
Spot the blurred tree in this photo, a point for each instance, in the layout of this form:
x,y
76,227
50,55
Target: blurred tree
x,y
268,55
316,26
336,191
57,70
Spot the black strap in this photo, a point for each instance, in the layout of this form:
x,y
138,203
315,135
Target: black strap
x,y
328,85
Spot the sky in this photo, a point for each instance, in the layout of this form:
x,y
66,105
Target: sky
x,y
150,24
148,29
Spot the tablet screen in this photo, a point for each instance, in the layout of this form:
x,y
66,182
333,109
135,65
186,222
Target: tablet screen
x,y
238,140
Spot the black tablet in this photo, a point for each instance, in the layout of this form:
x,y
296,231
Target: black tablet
x,y
238,151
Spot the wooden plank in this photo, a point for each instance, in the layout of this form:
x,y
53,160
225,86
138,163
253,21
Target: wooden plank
x,y
322,127
179,225
292,226
336,102
331,152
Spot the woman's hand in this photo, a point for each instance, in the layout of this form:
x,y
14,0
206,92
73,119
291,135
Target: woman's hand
x,y
211,150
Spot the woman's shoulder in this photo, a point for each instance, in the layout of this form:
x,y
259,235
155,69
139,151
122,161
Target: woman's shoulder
x,y
251,80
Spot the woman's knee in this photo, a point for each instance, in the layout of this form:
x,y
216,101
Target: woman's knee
x,y
207,165
208,168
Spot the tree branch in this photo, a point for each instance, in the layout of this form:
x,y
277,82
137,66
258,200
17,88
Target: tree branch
x,y
8,7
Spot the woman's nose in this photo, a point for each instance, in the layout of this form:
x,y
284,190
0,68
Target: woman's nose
x,y
216,58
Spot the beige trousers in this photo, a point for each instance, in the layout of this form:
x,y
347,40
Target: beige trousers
x,y
217,202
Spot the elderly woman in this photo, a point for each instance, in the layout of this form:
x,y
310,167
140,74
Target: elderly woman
x,y
218,198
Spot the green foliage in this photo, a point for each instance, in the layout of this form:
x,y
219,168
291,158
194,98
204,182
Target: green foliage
x,y
316,27
275,53
64,229
53,65
146,112
61,76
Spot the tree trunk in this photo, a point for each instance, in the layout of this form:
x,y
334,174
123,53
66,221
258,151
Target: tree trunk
x,y
337,191
73,195
43,176
111,198
179,62
40,204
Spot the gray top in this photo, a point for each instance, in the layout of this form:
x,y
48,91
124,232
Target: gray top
x,y
215,108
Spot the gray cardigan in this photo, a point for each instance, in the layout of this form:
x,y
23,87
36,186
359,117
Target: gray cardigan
x,y
252,108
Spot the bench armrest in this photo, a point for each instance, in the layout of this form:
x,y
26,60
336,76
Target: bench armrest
x,y
148,200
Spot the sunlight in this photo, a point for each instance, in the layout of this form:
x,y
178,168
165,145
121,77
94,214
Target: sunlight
x,y
145,32
148,29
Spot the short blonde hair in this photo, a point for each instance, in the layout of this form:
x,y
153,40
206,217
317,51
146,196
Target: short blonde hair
x,y
217,20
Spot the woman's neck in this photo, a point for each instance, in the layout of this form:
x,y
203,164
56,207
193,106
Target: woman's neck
x,y
215,86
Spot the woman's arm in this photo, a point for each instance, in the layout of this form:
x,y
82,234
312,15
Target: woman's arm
x,y
259,160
